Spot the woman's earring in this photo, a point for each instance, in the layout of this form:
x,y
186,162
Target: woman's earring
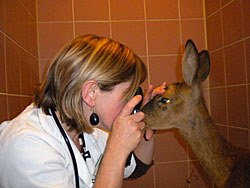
x,y
94,119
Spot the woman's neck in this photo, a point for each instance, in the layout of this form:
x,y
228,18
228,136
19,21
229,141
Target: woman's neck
x,y
72,134
75,137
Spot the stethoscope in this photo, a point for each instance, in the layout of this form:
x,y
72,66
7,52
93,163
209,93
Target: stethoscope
x,y
136,109
68,145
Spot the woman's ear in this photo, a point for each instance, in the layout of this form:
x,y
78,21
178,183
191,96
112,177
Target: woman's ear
x,y
89,89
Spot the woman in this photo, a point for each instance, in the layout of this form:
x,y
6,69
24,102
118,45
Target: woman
x,y
80,130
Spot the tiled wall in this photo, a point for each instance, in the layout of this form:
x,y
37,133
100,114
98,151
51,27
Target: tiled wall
x,y
228,39
156,30
18,56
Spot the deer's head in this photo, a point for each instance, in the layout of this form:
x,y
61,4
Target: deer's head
x,y
176,106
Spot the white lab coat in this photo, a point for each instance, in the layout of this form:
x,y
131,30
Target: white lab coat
x,y
33,153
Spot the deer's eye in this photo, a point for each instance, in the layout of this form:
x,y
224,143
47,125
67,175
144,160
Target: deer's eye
x,y
165,100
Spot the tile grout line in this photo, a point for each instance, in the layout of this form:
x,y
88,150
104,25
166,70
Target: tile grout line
x,y
224,65
110,20
146,40
38,46
73,18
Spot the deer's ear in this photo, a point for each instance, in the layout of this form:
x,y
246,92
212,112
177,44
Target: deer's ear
x,y
204,66
190,63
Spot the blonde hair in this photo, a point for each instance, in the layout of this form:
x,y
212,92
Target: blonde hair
x,y
87,57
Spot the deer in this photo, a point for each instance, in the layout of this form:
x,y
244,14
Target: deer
x,y
182,106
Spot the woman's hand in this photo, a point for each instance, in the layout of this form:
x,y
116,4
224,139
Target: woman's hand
x,y
127,133
149,94
127,129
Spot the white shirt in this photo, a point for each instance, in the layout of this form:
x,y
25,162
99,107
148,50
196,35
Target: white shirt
x,y
33,153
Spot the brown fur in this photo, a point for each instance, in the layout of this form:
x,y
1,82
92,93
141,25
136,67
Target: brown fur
x,y
182,106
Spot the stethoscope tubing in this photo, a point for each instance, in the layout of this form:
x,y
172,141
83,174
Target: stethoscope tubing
x,y
68,145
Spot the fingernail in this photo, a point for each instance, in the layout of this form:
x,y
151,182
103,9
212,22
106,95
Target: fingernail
x,y
145,138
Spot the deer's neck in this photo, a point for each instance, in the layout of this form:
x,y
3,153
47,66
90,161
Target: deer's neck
x,y
206,143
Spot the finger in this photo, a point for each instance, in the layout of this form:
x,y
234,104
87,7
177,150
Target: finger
x,y
138,117
139,125
164,84
148,135
128,108
142,125
148,94
159,90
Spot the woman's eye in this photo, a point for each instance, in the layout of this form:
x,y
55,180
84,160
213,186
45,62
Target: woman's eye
x,y
165,100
